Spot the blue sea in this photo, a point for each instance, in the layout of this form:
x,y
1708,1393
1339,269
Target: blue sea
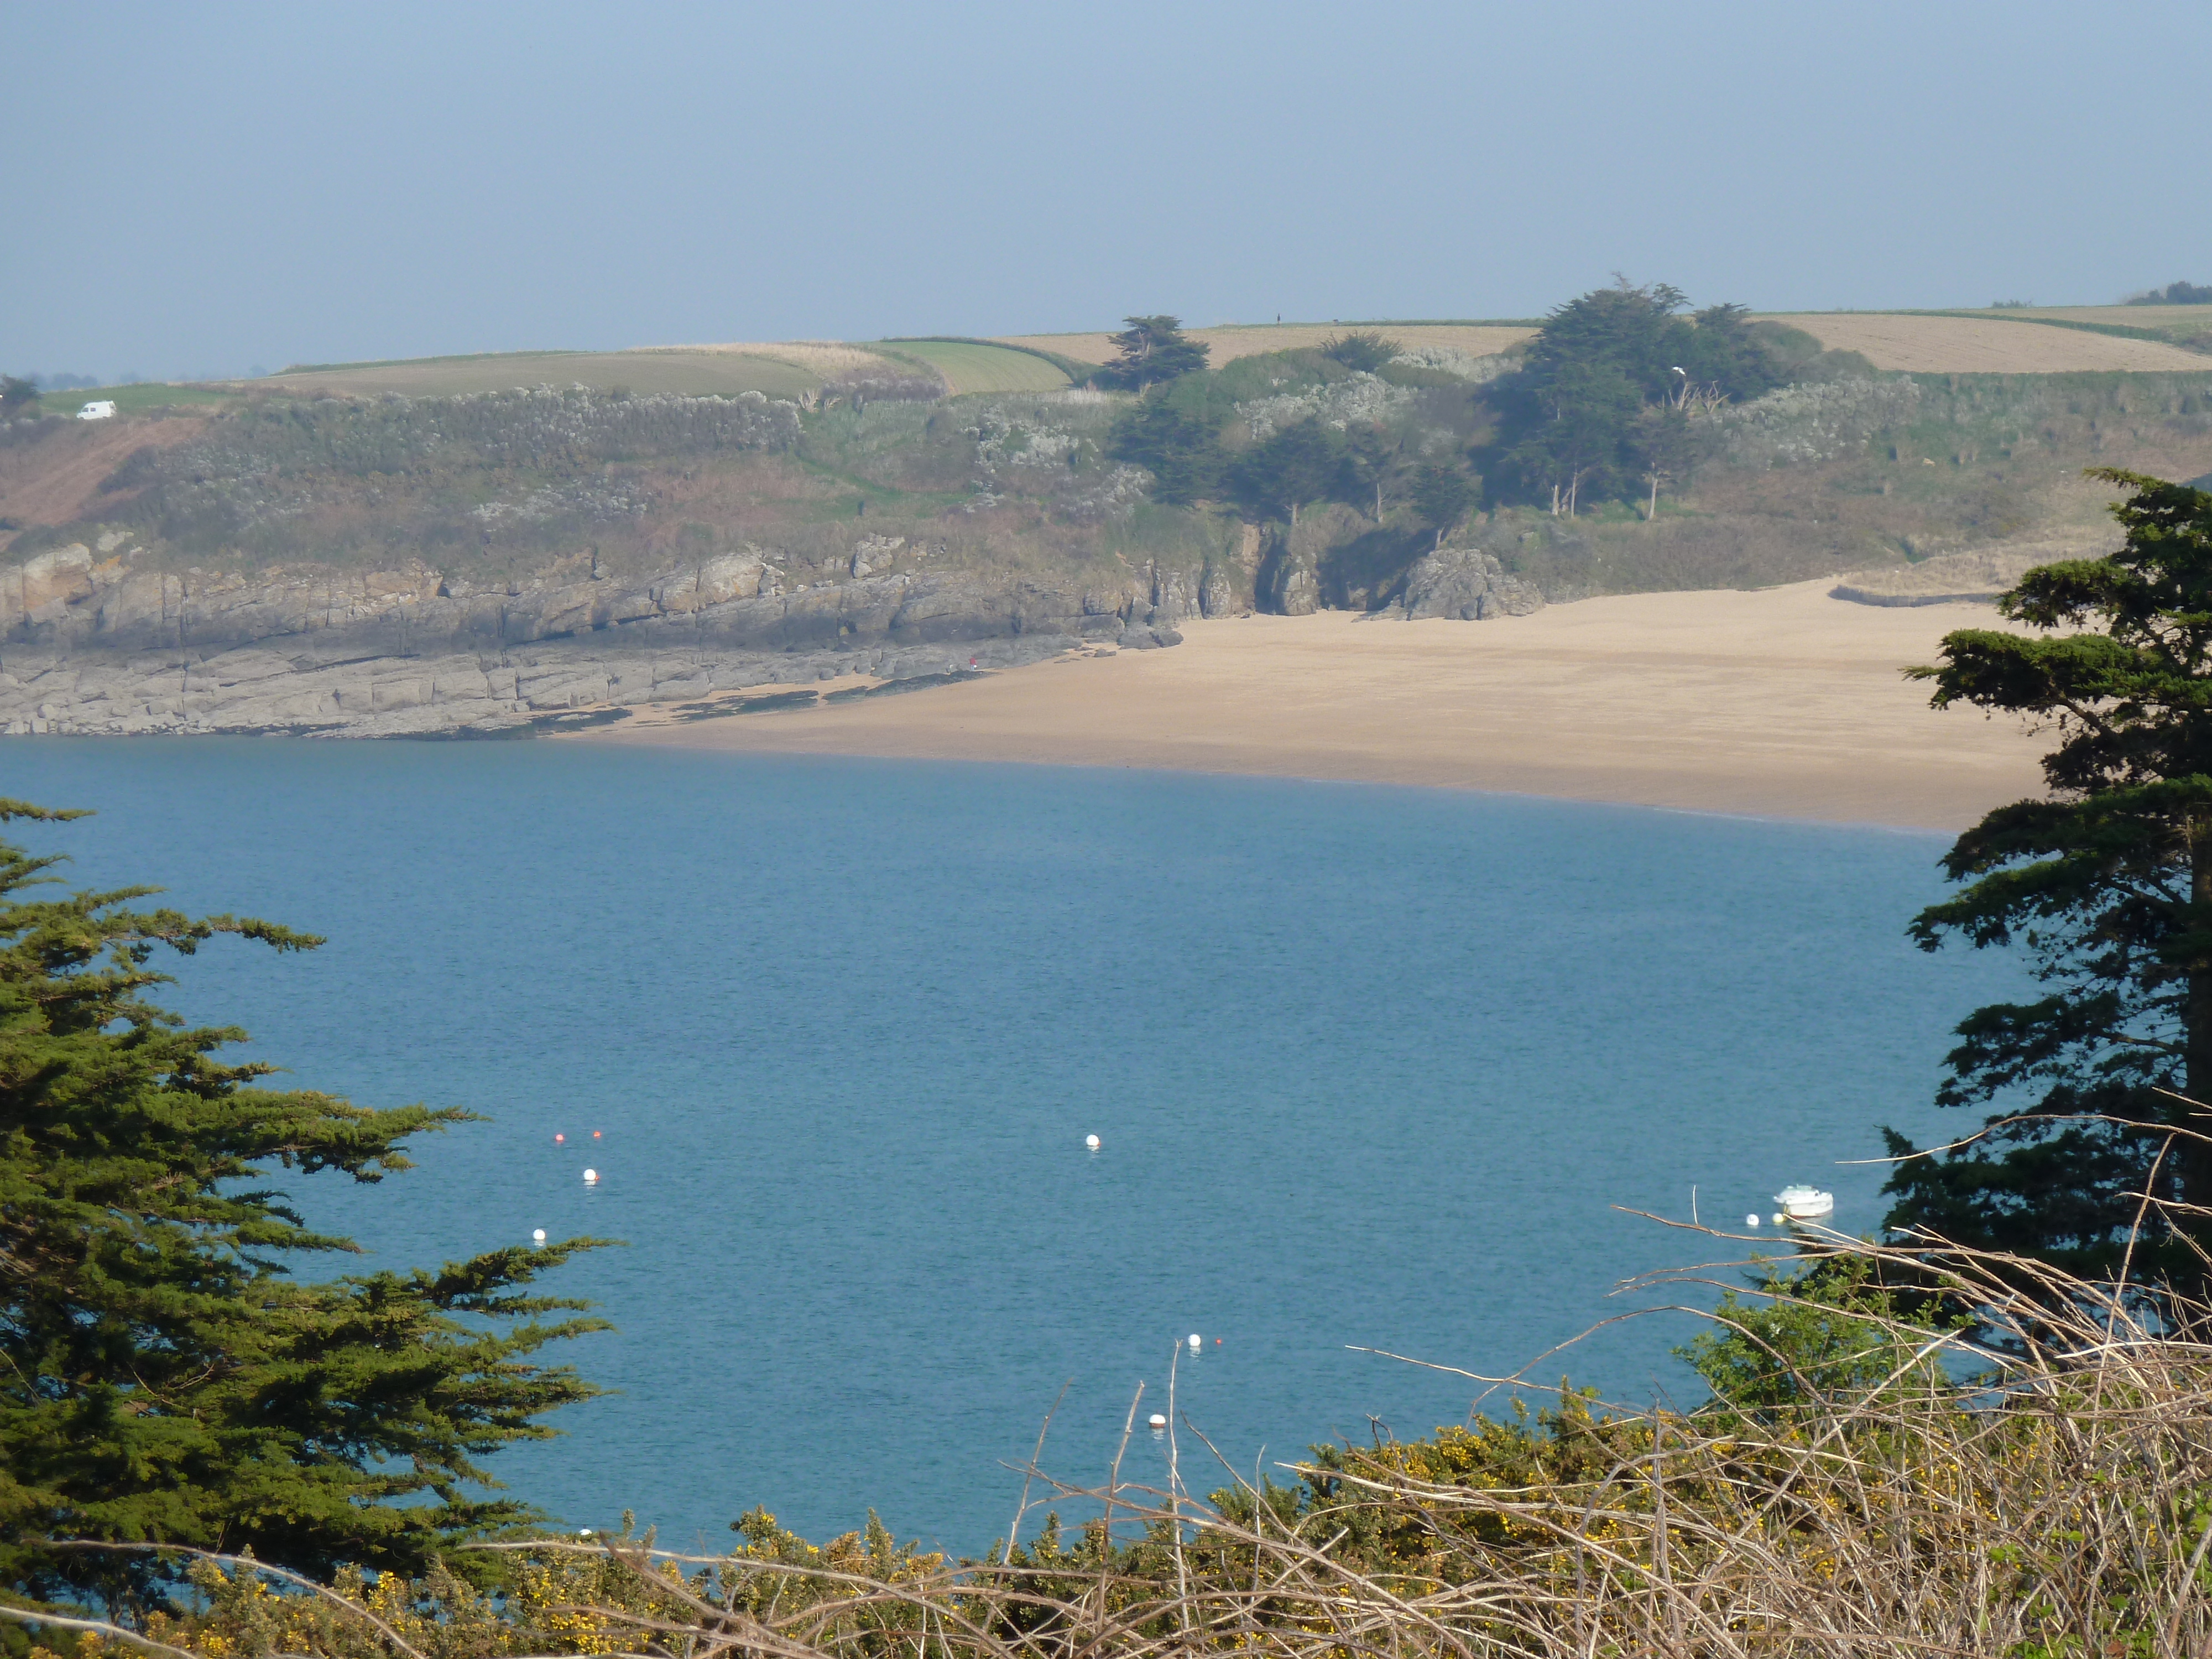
x,y
1370,1068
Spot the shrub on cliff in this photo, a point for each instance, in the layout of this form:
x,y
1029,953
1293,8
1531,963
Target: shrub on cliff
x,y
165,1377
1182,451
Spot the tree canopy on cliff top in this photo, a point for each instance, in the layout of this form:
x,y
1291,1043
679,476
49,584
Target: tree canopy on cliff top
x,y
2106,883
1567,420
166,1379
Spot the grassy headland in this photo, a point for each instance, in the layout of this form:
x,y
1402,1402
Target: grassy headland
x,y
986,453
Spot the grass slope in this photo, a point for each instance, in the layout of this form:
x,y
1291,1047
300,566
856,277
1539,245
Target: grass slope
x,y
979,366
2182,325
138,400
694,371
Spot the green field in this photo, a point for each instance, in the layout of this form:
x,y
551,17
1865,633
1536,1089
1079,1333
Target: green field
x,y
136,400
2183,325
978,366
697,373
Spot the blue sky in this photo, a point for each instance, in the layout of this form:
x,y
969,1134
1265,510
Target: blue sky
x,y
196,188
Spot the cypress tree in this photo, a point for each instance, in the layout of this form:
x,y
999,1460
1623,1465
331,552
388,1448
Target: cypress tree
x,y
1150,351
165,1378
2106,884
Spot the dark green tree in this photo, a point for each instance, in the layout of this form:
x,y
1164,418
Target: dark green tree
x,y
1149,351
2105,883
1567,420
17,396
1442,495
1182,451
1583,413
2176,294
1290,467
166,1379
1665,444
1375,463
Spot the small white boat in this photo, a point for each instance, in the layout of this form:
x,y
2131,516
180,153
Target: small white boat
x,y
1800,1203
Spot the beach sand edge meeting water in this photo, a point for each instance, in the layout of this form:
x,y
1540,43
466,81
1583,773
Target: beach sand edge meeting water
x,y
1780,703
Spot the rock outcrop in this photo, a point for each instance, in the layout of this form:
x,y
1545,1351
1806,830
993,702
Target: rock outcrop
x,y
90,642
1217,595
295,686
1290,582
1956,578
1465,584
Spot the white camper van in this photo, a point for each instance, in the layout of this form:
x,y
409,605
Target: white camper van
x,y
100,409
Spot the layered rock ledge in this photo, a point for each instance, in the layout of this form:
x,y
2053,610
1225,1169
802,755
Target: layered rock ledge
x,y
91,643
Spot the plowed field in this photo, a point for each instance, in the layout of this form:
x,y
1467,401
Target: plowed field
x,y
1986,346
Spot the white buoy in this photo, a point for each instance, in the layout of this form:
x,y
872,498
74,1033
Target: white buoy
x,y
1777,1220
583,1532
590,1176
1751,1221
1158,1421
1195,1343
1091,1141
538,1236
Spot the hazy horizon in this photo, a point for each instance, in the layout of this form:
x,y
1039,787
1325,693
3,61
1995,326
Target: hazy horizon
x,y
200,192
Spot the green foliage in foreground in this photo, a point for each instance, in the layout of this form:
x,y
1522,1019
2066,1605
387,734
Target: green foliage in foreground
x,y
1841,1494
165,1378
2106,883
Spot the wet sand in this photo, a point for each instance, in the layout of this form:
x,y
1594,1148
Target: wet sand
x,y
1780,703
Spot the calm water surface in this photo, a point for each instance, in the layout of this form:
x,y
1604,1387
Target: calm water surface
x,y
1370,1066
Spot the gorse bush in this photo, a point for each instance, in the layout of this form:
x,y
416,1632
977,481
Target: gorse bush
x,y
269,478
1805,425
523,428
886,383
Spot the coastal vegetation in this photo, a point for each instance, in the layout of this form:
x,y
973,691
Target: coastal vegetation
x,y
1609,392
2106,884
1628,444
2175,293
167,1377
897,509
1149,352
1845,1490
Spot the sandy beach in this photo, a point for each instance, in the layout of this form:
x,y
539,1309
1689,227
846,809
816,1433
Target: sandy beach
x,y
1783,702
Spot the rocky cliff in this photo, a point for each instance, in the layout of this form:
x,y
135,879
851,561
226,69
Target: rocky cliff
x,y
91,641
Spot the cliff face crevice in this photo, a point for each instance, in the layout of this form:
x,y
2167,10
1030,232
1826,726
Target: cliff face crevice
x,y
89,642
